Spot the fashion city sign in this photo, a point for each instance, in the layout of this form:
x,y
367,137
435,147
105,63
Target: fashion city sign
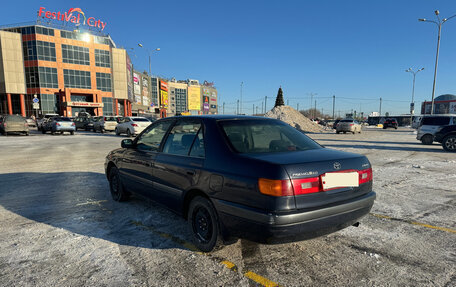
x,y
73,15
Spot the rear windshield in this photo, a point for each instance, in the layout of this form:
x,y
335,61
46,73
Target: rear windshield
x,y
14,118
346,121
110,119
260,136
62,119
435,121
139,120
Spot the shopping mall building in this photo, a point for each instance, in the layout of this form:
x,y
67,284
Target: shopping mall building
x,y
63,68
64,63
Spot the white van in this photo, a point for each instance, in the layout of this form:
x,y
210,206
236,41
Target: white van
x,y
430,125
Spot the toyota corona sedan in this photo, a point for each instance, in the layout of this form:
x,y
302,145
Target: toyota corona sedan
x,y
242,177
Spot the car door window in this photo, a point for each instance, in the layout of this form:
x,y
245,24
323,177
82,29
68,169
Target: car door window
x,y
150,140
198,146
181,137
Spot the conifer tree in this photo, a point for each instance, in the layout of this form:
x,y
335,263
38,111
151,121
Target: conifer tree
x,y
279,100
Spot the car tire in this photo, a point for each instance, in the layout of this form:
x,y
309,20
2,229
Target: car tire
x,y
117,132
102,130
449,143
72,132
337,132
52,132
43,131
76,128
129,133
203,222
118,192
395,128
345,132
427,139
27,133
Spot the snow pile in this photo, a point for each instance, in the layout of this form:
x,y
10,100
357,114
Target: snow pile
x,y
294,118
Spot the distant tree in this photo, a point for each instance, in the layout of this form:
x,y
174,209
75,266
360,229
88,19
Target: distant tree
x,y
279,99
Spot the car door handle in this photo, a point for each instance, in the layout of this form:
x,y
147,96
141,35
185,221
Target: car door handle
x,y
191,172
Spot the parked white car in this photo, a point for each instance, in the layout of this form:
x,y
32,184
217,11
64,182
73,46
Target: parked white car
x,y
132,126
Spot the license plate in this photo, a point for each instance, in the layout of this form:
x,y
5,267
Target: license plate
x,y
340,179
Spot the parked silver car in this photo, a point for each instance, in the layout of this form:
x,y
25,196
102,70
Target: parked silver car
x,y
430,125
59,125
13,124
132,126
348,125
106,123
41,121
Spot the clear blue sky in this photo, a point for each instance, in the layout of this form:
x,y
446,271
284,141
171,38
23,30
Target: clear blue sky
x,y
356,50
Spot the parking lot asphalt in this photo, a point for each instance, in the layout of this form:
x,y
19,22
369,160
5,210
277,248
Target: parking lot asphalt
x,y
59,226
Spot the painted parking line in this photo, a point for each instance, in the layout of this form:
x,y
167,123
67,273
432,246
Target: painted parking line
x,y
415,223
228,264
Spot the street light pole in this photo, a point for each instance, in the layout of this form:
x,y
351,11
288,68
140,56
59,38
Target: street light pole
x,y
439,25
149,52
412,106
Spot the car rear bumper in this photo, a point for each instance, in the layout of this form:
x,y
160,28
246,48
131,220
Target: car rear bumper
x,y
245,222
65,129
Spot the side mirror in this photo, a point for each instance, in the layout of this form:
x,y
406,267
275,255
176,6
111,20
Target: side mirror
x,y
126,143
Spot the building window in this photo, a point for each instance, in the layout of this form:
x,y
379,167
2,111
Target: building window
x,y
39,50
75,55
44,77
77,79
101,40
102,58
48,77
48,104
108,109
44,31
104,82
71,35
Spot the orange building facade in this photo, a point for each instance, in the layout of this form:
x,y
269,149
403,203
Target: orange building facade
x,y
68,72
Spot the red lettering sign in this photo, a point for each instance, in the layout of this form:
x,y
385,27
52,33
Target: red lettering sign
x,y
73,15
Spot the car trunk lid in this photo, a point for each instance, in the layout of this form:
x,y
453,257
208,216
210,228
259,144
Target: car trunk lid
x,y
323,176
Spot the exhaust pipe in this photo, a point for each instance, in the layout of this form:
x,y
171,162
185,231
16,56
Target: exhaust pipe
x,y
356,224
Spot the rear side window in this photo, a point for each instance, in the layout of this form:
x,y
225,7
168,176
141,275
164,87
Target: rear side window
x,y
261,136
435,121
181,138
139,120
110,119
17,119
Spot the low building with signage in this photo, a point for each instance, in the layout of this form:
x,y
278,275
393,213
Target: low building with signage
x,y
209,98
178,94
444,104
66,64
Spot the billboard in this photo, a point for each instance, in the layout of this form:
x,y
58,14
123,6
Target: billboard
x,y
194,98
205,103
164,94
137,87
129,79
145,90
452,108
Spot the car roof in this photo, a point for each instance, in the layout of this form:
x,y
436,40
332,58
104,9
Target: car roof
x,y
221,117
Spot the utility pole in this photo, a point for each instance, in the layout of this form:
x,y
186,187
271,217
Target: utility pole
x,y
253,110
240,110
297,106
257,110
380,112
334,103
223,107
265,101
237,108
315,113
288,102
262,104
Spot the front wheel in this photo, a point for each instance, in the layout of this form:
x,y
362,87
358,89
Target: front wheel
x,y
117,132
202,220
118,192
72,132
129,133
449,143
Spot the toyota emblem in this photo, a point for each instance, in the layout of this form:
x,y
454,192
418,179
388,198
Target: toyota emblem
x,y
337,165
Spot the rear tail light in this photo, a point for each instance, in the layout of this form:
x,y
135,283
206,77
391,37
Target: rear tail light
x,y
351,124
134,125
307,185
302,185
25,124
105,118
4,124
73,124
57,124
365,175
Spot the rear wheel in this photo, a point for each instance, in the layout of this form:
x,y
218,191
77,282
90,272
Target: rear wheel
x,y
203,223
129,133
449,143
117,132
427,139
337,132
345,132
72,132
43,131
118,192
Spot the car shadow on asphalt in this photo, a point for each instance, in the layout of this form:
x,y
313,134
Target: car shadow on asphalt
x,y
80,202
373,142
